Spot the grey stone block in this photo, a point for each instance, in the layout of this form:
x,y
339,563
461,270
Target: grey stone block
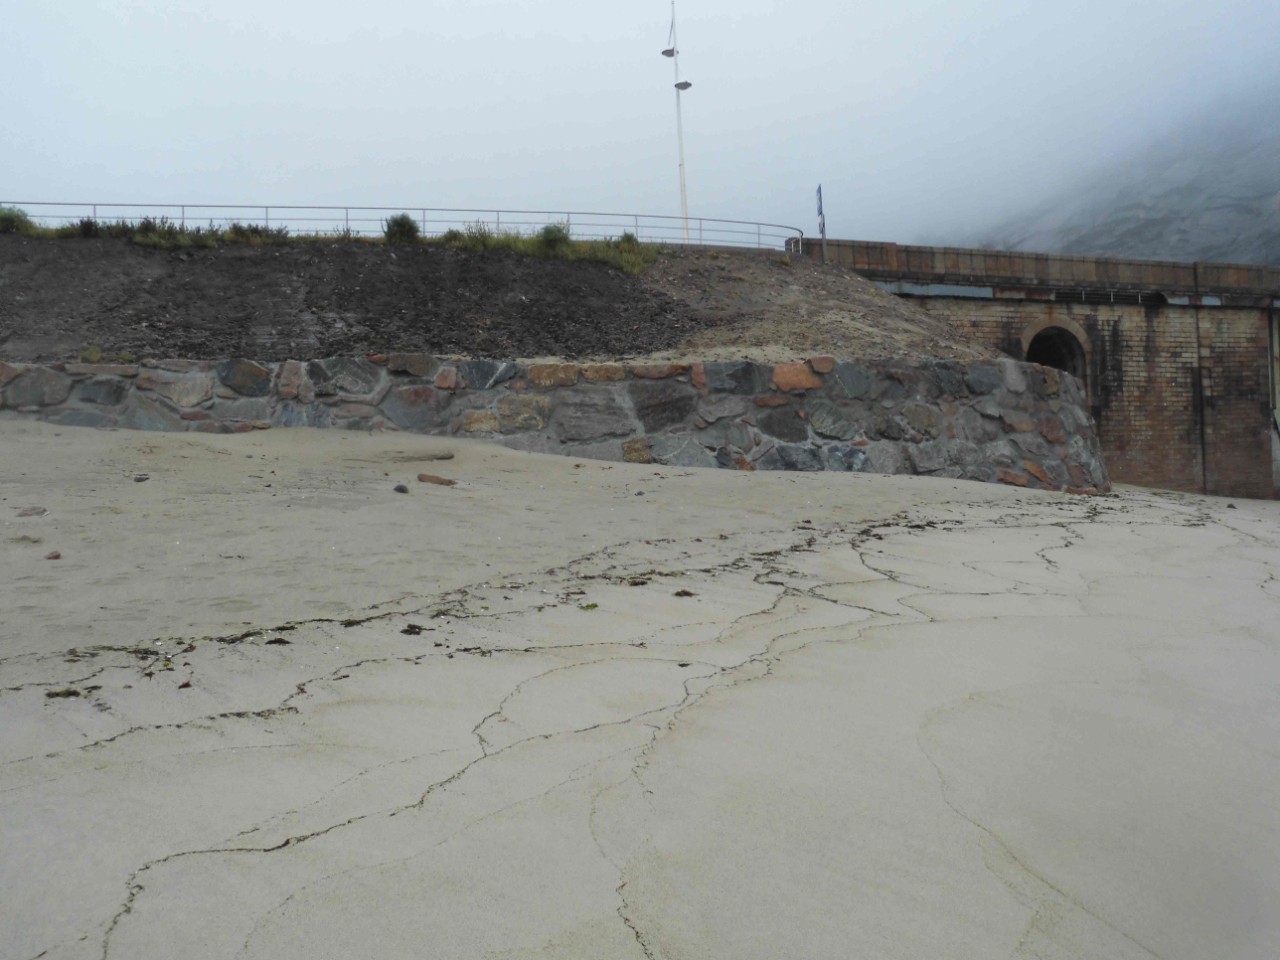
x,y
38,387
590,413
104,391
984,377
660,404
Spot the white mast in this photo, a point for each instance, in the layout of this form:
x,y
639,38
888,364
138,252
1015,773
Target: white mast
x,y
673,52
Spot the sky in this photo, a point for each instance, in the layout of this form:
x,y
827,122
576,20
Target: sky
x,y
924,120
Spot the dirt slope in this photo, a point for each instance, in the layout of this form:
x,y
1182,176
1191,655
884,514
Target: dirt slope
x,y
61,298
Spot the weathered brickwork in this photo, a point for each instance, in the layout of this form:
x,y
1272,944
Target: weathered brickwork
x,y
1180,393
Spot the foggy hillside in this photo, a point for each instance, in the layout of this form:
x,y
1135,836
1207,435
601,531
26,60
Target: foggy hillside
x,y
1208,191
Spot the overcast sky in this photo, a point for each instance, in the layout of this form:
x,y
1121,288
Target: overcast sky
x,y
923,119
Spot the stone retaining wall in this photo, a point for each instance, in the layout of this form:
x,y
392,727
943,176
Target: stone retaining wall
x,y
995,421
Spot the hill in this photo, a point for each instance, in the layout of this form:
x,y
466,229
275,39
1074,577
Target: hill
x,y
63,298
1208,191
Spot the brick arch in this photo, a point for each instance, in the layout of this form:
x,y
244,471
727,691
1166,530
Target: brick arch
x,y
1036,327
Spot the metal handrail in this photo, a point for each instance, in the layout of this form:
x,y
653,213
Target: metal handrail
x,y
433,221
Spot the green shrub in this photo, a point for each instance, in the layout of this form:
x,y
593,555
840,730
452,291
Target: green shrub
x,y
401,228
13,220
453,237
88,227
628,240
554,238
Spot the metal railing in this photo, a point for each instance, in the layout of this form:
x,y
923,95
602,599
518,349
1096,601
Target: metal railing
x,y
432,221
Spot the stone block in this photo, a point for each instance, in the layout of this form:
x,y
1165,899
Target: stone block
x,y
658,371
680,450
784,424
822,364
886,457
1037,471
1051,429
485,374
792,456
636,450
698,375
591,413
447,379
480,421
1014,477
603,372
660,404
414,364
520,412
290,413
37,387
795,376
81,417
830,420
927,457
1016,421
846,457
96,370
292,382
104,391
416,406
721,406
1011,373
245,377
348,378
143,412
9,372
983,378
923,419
737,376
547,375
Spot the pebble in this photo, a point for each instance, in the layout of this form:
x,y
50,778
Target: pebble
x,y
432,478
401,488
55,555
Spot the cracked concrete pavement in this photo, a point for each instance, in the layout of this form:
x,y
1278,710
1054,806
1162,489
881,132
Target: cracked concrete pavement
x,y
264,706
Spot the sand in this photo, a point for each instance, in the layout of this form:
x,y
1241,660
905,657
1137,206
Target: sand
x,y
264,706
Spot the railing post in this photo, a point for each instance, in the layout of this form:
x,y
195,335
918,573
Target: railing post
x,y
183,215
346,221
568,224
497,219
266,215
424,221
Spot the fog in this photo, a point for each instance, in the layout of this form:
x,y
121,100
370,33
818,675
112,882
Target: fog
x,y
924,120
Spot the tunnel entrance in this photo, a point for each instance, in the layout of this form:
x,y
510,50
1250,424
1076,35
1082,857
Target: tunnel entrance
x,y
1058,348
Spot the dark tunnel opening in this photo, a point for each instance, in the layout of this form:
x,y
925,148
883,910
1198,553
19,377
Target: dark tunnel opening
x,y
1058,348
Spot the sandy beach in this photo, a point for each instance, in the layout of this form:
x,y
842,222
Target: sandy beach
x,y
262,705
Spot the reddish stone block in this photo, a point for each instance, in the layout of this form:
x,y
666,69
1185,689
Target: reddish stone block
x,y
772,401
1051,429
822,364
379,358
1015,421
1013,477
8,372
1078,477
658,371
795,376
447,379
1038,472
698,375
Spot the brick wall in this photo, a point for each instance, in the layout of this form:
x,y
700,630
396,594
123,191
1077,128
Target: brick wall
x,y
1175,407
